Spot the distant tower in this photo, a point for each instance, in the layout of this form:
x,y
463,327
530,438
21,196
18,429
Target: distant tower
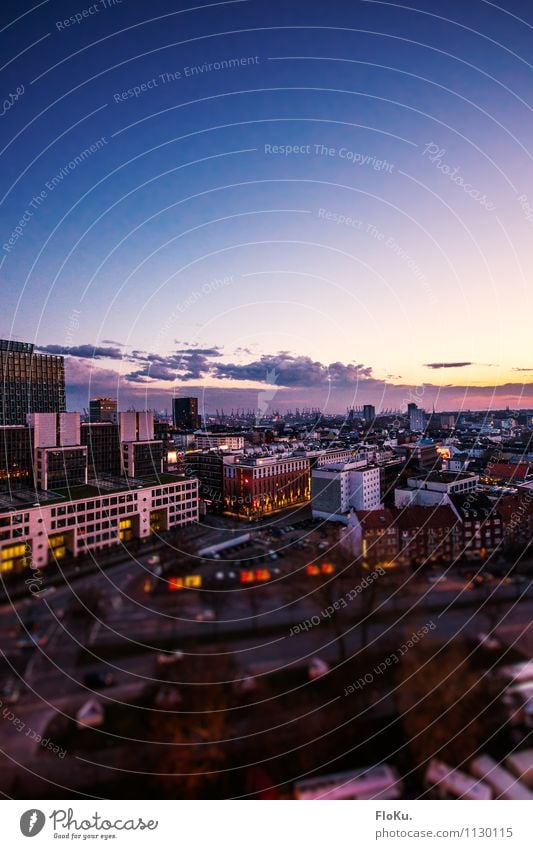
x,y
102,409
185,413
369,413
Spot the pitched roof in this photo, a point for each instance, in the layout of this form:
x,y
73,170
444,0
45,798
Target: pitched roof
x,y
441,516
509,471
472,503
376,519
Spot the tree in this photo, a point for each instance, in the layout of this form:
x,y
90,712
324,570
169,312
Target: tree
x,y
190,765
445,703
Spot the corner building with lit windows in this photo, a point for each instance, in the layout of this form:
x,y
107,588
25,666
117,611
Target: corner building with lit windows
x,y
257,486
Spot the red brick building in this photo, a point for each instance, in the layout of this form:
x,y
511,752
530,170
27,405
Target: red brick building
x,y
256,486
429,533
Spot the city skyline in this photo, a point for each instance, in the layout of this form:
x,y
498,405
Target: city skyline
x,y
280,382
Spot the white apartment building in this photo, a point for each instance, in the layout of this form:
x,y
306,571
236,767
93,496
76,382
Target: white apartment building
x,y
226,441
336,489
44,531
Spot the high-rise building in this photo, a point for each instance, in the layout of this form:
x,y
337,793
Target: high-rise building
x,y
185,413
102,409
369,413
417,418
30,382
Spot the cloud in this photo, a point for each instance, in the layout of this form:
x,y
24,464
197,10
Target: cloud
x,y
522,369
299,380
89,352
182,364
112,342
447,365
294,371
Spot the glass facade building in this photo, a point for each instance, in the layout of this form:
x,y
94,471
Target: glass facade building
x,y
30,382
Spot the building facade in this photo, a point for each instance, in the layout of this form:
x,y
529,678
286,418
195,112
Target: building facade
x,y
435,488
16,457
207,466
337,489
30,382
226,441
91,519
185,413
369,413
102,440
102,409
254,487
417,418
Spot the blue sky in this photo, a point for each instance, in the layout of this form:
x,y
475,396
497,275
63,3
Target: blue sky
x,y
328,202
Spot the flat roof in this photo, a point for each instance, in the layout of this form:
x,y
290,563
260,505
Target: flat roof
x,y
25,498
444,477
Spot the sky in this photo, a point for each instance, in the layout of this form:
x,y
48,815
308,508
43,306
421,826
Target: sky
x,y
271,205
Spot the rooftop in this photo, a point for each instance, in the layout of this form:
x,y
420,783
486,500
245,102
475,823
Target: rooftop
x,y
25,498
444,477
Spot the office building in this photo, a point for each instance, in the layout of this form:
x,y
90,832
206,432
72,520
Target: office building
x,y
256,486
102,409
89,518
185,413
30,382
411,537
429,533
